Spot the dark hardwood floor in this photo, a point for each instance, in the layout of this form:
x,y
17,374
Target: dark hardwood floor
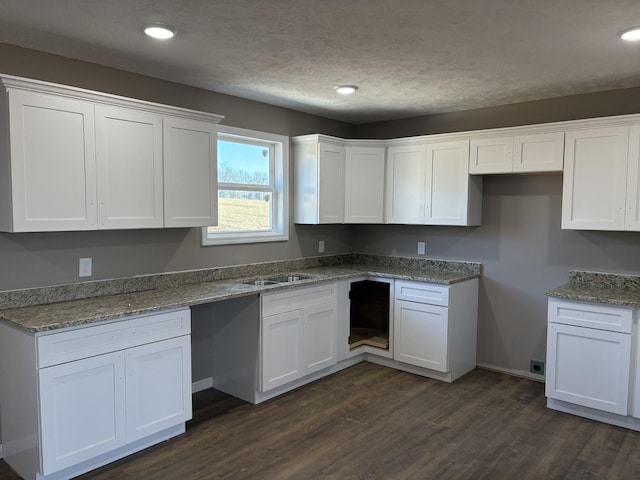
x,y
376,423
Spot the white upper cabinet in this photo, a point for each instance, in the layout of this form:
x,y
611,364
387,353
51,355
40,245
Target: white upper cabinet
x,y
453,197
318,181
491,155
47,167
427,181
337,181
129,166
406,184
73,159
542,152
364,184
430,185
190,173
595,174
633,180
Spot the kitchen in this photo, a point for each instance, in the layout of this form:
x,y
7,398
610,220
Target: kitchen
x,y
520,244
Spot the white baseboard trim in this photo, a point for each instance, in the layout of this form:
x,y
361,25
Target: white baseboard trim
x,y
514,373
202,385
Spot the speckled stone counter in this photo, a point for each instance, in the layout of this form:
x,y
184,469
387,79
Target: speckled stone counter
x,y
596,287
50,308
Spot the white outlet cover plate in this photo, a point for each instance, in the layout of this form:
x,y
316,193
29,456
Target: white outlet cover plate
x,y
85,267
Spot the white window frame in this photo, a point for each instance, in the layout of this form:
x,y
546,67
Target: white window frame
x,y
280,230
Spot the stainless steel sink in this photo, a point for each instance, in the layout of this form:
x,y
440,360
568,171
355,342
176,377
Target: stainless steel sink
x,y
277,280
289,278
261,282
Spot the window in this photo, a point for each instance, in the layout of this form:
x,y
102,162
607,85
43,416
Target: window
x,y
252,188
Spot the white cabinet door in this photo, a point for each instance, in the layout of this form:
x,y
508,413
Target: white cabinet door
x,y
594,184
330,183
406,185
281,343
588,367
364,184
190,173
53,170
158,386
632,216
319,337
129,166
491,155
82,410
542,152
448,200
421,335
318,169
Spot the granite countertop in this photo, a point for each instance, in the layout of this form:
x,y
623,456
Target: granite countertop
x,y
615,289
56,312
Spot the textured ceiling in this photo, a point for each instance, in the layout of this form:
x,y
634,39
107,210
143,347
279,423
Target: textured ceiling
x,y
409,57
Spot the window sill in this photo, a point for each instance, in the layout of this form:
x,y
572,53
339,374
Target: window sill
x,y
239,238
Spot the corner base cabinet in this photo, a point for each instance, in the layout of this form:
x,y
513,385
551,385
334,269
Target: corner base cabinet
x,y
592,361
83,397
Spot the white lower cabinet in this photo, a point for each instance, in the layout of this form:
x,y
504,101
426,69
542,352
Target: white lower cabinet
x,y
588,367
298,334
281,343
92,406
421,335
99,392
82,410
158,386
435,327
319,331
589,360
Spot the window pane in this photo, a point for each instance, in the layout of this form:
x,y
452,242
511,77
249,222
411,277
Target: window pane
x,y
242,211
243,163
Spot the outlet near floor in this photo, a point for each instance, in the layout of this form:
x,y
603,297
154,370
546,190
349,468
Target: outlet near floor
x,y
536,367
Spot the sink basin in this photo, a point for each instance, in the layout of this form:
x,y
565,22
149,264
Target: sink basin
x,y
289,278
277,280
261,282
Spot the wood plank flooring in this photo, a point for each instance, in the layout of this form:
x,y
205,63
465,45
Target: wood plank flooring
x,y
371,422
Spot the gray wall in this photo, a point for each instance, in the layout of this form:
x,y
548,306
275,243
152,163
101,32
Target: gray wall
x,y
38,259
524,254
572,107
520,243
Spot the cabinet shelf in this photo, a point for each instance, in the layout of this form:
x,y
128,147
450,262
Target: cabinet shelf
x,y
370,337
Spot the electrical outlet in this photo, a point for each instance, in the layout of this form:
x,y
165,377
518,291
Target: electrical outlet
x,y
421,246
536,367
321,246
85,267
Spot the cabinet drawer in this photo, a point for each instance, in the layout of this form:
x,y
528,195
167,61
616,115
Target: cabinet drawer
x,y
296,298
94,340
584,314
422,292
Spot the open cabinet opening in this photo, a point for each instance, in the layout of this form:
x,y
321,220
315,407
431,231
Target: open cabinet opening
x,y
369,314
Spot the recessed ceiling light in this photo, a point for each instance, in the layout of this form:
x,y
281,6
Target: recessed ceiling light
x,y
346,89
159,31
630,34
